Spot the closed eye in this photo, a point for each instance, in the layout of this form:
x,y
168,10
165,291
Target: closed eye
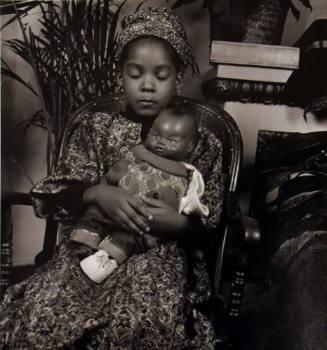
x,y
163,73
134,71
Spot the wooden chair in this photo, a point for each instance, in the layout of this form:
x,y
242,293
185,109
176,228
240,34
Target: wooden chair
x,y
229,250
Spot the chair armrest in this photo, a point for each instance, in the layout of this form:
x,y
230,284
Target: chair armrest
x,y
241,235
247,226
250,229
243,238
8,199
15,198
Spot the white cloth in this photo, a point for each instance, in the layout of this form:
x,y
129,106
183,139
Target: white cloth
x,y
190,203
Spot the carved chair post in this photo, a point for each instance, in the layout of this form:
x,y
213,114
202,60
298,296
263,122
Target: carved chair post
x,y
6,249
8,199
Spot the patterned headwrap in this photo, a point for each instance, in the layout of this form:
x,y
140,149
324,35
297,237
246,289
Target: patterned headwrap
x,y
159,22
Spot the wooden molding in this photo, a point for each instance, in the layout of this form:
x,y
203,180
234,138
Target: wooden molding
x,y
252,54
224,90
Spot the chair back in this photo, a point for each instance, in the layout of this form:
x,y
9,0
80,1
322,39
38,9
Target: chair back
x,y
223,126
215,119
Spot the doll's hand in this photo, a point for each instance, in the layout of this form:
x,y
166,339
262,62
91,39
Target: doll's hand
x,y
165,219
122,208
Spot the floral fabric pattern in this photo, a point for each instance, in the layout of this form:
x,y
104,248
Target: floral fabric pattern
x,y
147,302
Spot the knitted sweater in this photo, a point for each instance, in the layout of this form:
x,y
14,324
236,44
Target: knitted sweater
x,y
163,179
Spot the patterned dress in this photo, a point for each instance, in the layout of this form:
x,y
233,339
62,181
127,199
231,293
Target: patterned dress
x,y
150,302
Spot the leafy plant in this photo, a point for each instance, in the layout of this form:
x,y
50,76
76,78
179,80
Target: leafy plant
x,y
215,3
258,21
73,58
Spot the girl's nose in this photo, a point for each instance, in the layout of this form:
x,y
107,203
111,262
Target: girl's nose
x,y
148,83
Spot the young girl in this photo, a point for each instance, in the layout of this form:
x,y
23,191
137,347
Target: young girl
x,y
157,170
150,302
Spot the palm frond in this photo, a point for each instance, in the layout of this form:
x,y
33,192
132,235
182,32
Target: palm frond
x,y
19,166
23,7
38,119
295,11
8,72
73,57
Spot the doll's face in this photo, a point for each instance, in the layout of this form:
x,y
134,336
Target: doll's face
x,y
172,136
149,77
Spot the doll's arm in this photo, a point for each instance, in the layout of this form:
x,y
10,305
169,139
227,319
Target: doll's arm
x,y
190,203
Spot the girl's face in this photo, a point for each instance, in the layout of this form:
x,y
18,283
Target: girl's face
x,y
149,78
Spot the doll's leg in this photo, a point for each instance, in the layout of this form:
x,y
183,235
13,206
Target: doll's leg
x,y
91,228
98,266
120,245
114,250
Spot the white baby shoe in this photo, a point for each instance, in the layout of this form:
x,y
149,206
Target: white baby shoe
x,y
98,266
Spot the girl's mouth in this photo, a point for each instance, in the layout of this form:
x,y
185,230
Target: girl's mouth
x,y
147,103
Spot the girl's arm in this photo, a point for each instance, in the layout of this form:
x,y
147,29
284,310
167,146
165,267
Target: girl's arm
x,y
78,168
78,172
125,210
165,219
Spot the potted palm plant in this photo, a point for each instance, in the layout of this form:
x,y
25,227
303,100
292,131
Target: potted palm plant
x,y
72,56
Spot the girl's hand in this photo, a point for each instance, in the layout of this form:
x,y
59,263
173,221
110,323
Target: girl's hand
x,y
123,209
165,218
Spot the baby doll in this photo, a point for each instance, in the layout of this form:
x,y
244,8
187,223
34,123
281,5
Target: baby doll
x,y
156,170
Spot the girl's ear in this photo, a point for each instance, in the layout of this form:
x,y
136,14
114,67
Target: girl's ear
x,y
179,80
120,79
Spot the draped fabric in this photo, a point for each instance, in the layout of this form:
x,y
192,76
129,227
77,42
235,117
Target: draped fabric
x,y
150,302
290,201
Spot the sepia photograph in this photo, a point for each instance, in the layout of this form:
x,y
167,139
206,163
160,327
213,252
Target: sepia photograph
x,y
163,175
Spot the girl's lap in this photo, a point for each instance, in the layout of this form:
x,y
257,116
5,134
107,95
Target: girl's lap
x,y
59,304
